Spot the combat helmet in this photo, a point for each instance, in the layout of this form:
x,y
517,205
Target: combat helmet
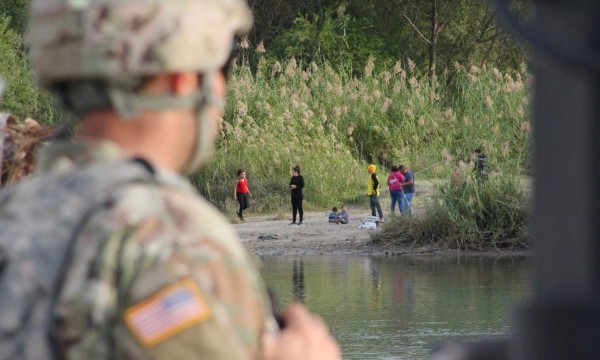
x,y
95,54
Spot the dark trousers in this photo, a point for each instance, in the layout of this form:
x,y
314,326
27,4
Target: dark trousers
x,y
374,204
242,199
297,207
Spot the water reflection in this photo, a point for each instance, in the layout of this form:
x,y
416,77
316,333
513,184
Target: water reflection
x,y
298,281
400,308
375,288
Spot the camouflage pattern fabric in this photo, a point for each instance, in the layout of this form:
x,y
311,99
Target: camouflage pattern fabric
x,y
145,240
116,39
34,252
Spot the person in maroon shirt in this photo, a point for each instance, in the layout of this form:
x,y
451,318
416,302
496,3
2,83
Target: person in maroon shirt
x,y
241,193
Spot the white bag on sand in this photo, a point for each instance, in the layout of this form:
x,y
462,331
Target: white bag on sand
x,y
369,223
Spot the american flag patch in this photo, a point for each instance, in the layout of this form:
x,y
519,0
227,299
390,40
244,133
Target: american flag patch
x,y
167,312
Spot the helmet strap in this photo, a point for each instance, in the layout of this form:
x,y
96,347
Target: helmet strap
x,y
128,105
204,136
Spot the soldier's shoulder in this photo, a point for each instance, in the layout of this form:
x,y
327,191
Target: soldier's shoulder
x,y
173,205
175,197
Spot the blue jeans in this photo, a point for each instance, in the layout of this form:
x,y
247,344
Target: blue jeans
x,y
407,203
396,196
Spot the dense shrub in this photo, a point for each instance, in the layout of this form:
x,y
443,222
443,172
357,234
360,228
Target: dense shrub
x,y
21,97
466,214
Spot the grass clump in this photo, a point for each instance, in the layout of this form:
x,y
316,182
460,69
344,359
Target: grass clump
x,y
465,214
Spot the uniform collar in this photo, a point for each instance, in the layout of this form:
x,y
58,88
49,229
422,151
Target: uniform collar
x,y
70,154
64,156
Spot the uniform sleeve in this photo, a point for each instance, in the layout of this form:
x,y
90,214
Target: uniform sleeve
x,y
223,315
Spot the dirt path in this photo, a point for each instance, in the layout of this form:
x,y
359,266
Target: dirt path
x,y
267,235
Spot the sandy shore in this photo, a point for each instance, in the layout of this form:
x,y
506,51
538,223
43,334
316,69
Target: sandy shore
x,y
268,235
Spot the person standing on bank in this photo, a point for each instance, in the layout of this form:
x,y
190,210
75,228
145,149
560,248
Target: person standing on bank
x,y
395,181
408,188
241,193
296,185
134,264
373,192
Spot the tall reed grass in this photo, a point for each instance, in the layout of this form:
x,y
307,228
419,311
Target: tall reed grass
x,y
333,123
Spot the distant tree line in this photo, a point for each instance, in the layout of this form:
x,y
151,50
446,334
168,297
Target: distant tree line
x,y
432,33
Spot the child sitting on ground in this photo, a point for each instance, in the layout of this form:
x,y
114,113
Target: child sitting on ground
x,y
333,215
342,217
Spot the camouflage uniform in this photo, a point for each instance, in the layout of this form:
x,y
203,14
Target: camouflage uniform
x,y
155,272
146,238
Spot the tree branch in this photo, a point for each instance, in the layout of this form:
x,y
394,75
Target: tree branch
x,y
415,27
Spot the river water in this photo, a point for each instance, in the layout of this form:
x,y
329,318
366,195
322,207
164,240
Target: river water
x,y
402,307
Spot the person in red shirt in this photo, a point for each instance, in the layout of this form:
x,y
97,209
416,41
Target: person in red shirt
x,y
241,193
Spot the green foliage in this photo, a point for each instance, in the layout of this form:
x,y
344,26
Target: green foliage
x,y
16,10
333,124
466,214
318,39
348,32
263,136
329,37
21,97
348,95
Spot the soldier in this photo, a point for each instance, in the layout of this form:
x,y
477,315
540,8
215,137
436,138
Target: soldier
x,y
109,253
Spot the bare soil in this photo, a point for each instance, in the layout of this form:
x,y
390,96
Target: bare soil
x,y
272,235
265,235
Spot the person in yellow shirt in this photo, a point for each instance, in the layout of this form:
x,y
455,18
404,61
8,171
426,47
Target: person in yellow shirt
x,y
373,192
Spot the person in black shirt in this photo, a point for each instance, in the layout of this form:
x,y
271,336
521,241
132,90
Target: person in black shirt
x,y
296,185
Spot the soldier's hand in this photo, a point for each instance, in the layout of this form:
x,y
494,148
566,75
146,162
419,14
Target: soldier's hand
x,y
304,337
